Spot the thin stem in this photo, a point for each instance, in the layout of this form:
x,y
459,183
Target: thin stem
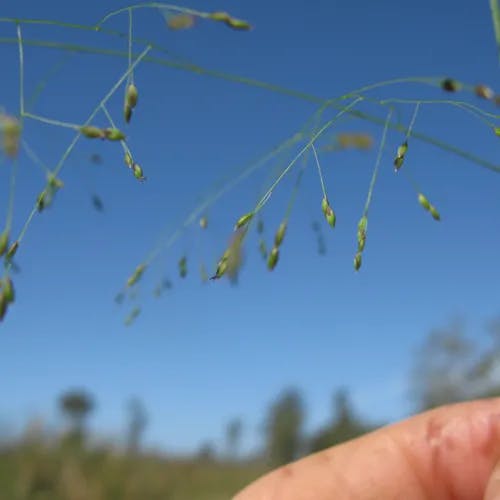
x,y
326,126
34,157
12,193
131,77
319,171
377,163
50,121
21,71
70,148
413,118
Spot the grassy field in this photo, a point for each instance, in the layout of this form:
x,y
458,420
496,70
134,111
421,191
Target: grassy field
x,y
37,471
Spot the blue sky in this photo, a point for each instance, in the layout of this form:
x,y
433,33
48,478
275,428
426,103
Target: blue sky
x,y
203,354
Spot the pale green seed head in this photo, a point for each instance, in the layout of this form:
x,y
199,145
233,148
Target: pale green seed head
x,y
219,16
8,290
12,250
324,205
114,134
357,261
330,216
137,171
402,149
280,234
4,242
361,240
128,160
497,131
273,258
434,213
243,220
424,202
398,163
3,305
136,275
127,113
363,223
203,222
238,24
92,132
131,96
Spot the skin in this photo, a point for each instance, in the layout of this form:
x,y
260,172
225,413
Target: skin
x,y
450,453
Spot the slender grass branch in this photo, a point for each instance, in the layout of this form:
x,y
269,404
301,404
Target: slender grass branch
x,y
377,163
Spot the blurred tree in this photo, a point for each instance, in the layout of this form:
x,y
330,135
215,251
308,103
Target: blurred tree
x,y
284,427
344,425
206,452
76,405
138,420
233,437
451,367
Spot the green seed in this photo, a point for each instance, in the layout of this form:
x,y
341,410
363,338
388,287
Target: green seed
x,y
127,113
434,213
128,160
357,261
138,173
450,85
484,92
219,16
203,222
273,258
263,249
12,250
497,131
400,155
4,242
280,234
41,201
398,163
131,96
324,205
363,223
113,134
92,132
136,275
238,24
183,267
424,202
243,220
222,265
54,183
8,290
3,305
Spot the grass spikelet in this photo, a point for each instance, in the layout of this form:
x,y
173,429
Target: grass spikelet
x,y
451,85
224,17
183,266
328,212
132,316
136,275
138,173
4,242
8,289
113,134
243,220
422,199
484,92
497,131
354,140
92,132
128,160
358,260
3,305
400,156
179,22
273,258
362,227
131,97
11,129
280,234
12,250
263,248
203,223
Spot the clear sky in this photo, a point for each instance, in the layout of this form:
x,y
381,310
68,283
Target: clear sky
x,y
205,353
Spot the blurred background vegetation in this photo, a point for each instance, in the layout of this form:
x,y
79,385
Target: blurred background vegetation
x,y
69,462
